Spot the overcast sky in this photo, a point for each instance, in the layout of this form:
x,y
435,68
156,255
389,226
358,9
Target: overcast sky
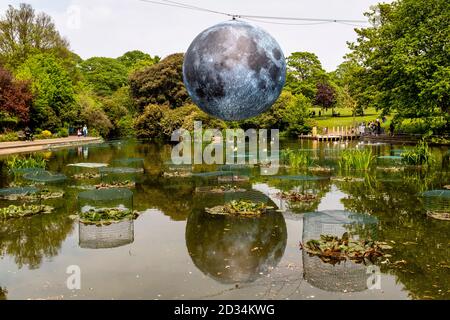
x,y
111,27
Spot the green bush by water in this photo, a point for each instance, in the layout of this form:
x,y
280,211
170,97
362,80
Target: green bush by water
x,y
419,155
356,159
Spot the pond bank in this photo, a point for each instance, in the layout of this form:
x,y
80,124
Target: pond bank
x,y
37,145
399,139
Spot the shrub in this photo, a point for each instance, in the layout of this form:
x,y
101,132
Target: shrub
x,y
62,133
46,134
10,136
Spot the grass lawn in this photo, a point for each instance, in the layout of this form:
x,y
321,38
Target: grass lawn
x,y
345,118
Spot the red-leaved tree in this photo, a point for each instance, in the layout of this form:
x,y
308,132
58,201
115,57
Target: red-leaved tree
x,y
15,96
325,96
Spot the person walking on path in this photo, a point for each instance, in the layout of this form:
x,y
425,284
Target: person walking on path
x,y
85,131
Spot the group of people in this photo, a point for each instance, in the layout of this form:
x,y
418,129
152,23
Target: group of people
x,y
82,132
372,128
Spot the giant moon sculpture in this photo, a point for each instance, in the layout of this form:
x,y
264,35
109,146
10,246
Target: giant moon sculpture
x,y
234,70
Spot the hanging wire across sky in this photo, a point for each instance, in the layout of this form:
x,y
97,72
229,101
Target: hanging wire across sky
x,y
261,19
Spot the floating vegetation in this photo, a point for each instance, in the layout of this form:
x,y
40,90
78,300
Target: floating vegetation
x,y
356,159
11,193
106,216
30,162
91,165
301,178
220,189
240,208
24,210
120,170
43,194
295,196
439,215
86,176
437,203
233,179
332,249
177,174
45,177
391,169
347,179
116,184
320,169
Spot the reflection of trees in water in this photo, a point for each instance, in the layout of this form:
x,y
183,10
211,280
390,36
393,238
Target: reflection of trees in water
x,y
29,240
3,293
171,196
420,241
233,249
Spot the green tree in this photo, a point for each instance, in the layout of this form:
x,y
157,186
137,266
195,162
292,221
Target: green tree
x,y
92,114
52,89
136,60
104,75
289,114
149,123
23,33
161,83
120,110
405,57
304,72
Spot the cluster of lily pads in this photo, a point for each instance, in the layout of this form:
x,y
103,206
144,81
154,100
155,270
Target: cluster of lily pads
x,y
24,210
116,184
332,249
86,175
221,189
106,216
294,196
43,194
240,208
177,174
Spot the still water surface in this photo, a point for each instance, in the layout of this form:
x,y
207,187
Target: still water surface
x,y
174,250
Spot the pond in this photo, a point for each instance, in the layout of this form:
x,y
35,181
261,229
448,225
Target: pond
x,y
175,250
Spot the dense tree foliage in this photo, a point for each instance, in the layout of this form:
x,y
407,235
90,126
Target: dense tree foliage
x,y
136,60
161,83
403,60
53,91
304,72
15,99
23,32
325,96
105,75
289,113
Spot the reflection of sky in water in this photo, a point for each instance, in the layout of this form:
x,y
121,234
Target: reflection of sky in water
x,y
158,265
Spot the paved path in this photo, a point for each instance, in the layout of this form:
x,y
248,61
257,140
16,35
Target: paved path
x,y
36,145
